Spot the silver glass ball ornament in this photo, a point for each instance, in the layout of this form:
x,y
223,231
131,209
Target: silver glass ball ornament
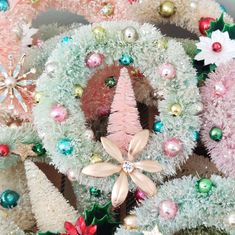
x,y
130,34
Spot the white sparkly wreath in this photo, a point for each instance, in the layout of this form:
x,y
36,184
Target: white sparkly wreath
x,y
66,136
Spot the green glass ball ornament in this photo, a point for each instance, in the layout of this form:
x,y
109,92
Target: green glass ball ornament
x,y
167,9
39,150
126,60
216,134
9,199
95,192
65,146
204,185
110,82
157,127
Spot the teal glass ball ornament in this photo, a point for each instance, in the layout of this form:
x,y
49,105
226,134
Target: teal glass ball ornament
x,y
66,40
65,146
39,150
95,192
126,60
196,135
204,185
157,127
9,199
223,9
4,5
110,82
216,134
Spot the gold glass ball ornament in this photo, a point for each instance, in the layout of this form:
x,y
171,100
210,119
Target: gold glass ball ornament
x,y
37,96
167,9
176,110
78,91
161,43
107,9
95,158
99,33
130,222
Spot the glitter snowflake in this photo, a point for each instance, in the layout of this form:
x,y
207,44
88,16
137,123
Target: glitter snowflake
x,y
15,87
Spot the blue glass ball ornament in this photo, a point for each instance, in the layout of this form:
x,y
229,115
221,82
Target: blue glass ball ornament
x,y
4,5
157,126
9,199
126,60
66,40
65,146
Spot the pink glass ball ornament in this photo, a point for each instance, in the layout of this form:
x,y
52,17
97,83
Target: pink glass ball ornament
x,y
139,195
94,60
219,89
168,209
167,71
59,113
71,175
172,147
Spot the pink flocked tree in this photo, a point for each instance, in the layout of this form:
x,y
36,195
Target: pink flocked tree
x,y
124,120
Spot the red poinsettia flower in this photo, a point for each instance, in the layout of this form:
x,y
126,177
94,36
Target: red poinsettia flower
x,y
79,228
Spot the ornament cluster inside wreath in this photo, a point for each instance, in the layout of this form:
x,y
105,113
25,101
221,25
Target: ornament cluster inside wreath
x,y
108,66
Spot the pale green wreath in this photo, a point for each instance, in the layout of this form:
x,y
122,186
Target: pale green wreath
x,y
67,68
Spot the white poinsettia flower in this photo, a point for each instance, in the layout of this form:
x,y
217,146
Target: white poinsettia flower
x,y
216,50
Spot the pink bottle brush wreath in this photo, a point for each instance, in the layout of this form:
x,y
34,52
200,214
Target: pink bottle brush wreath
x,y
16,17
218,117
16,34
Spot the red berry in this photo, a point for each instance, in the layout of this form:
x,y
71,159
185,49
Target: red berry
x,y
4,150
217,47
204,24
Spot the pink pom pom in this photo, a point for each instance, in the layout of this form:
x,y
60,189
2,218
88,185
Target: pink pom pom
x,y
59,113
218,97
172,147
168,209
94,60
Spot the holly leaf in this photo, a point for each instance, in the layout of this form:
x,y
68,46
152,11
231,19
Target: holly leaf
x,y
230,28
216,25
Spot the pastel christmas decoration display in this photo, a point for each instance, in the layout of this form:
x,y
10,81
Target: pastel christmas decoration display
x,y
217,131
171,209
58,87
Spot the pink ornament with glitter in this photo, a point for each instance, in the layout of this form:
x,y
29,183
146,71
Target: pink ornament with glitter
x,y
167,71
139,195
59,113
168,209
172,147
94,60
